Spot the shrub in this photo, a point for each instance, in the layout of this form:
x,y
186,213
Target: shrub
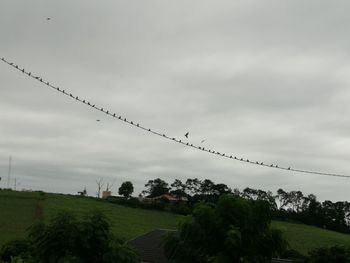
x,y
14,248
68,240
233,230
335,254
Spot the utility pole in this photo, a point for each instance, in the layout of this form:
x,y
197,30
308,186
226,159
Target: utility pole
x,y
15,183
9,172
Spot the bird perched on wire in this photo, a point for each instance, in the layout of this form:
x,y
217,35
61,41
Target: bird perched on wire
x,y
186,135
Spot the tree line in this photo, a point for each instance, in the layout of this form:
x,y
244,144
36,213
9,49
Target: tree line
x,y
285,205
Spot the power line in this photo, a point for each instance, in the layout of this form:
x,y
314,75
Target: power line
x,y
163,135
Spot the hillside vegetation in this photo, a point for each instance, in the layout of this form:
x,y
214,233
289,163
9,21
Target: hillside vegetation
x,y
17,213
18,209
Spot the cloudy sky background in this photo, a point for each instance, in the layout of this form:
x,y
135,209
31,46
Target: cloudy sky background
x,y
265,80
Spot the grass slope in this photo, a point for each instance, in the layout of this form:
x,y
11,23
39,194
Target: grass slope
x,y
17,210
17,213
304,238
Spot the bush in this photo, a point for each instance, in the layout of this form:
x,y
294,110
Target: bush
x,y
17,259
335,254
294,255
14,248
181,209
68,240
233,230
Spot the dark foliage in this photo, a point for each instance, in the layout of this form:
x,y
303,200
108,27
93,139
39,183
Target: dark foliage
x,y
306,209
156,187
335,254
126,189
233,230
65,239
13,249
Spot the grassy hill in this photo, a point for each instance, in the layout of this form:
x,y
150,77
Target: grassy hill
x,y
17,212
304,238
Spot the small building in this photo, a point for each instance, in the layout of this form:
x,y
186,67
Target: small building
x,y
165,198
106,194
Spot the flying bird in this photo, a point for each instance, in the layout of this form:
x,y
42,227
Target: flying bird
x,y
48,18
98,120
203,141
186,135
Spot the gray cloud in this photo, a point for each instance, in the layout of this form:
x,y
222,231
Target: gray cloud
x,y
263,80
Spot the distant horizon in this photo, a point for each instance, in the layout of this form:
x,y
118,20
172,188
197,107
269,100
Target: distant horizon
x,y
266,81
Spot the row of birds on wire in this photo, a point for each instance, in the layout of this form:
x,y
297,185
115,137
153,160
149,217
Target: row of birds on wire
x,y
185,143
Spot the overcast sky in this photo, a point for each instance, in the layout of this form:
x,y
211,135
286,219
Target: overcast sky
x,y
265,80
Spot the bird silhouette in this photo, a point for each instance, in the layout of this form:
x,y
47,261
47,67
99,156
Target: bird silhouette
x,y
202,141
186,135
98,120
48,18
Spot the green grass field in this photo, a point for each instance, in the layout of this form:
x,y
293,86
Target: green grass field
x,y
17,212
304,238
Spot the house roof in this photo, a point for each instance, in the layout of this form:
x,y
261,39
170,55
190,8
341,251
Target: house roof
x,y
150,247
167,196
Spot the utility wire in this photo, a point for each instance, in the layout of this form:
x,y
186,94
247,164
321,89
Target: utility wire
x,y
137,125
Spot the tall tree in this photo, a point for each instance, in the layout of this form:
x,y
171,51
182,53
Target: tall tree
x,y
100,184
156,187
193,186
220,189
234,230
126,189
178,188
207,187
